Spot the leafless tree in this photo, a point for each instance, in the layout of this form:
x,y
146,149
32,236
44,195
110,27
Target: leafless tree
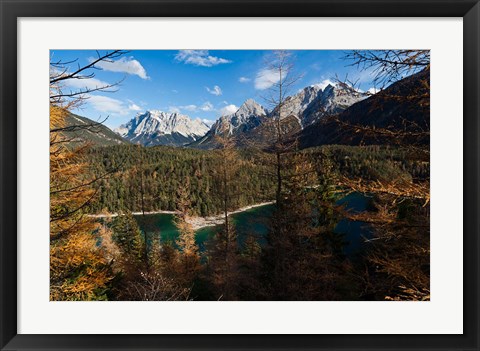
x,y
389,66
61,102
280,67
65,98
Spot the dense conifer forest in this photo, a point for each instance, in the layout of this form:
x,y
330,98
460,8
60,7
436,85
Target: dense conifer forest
x,y
164,169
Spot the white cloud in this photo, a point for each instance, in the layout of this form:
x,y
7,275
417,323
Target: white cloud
x,y
107,105
126,65
323,84
199,58
266,78
228,110
206,107
373,90
134,107
189,107
174,91
85,84
215,91
244,80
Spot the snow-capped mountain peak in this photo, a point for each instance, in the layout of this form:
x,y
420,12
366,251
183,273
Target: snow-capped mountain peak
x,y
156,127
315,101
247,116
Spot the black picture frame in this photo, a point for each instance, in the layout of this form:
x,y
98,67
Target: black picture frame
x,y
12,10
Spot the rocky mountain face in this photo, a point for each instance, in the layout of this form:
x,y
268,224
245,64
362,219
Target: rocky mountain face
x,y
295,105
250,123
400,114
331,100
248,117
312,103
162,128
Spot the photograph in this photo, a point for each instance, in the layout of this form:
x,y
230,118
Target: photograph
x,y
239,175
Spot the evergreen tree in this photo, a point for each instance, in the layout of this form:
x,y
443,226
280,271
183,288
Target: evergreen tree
x,y
303,259
130,240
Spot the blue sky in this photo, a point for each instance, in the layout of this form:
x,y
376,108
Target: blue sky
x,y
199,83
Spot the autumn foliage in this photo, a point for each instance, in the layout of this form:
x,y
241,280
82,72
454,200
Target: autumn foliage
x,y
78,267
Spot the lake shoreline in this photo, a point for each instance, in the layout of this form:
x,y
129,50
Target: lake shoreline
x,y
196,222
211,221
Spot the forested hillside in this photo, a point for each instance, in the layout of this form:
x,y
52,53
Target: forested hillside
x,y
80,130
163,170
375,162
400,114
159,172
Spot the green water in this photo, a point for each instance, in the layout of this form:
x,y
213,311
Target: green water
x,y
255,221
354,233
251,221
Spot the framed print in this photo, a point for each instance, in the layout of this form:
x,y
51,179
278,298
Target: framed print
x,y
239,175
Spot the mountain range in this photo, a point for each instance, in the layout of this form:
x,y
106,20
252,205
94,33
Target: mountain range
x,y
82,129
312,115
306,107
162,128
399,114
250,124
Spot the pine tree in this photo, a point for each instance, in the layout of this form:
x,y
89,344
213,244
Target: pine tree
x,y
303,259
130,240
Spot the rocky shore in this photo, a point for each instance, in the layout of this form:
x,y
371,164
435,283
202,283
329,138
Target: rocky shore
x,y
196,222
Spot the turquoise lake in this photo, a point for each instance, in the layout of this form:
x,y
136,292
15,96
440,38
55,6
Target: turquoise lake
x,y
255,221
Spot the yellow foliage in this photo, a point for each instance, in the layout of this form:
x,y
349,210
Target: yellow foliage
x,y
79,269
